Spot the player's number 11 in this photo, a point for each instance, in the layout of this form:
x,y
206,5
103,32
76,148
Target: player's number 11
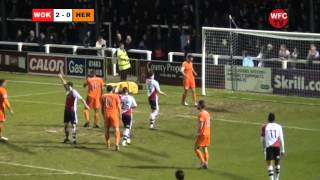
x,y
273,133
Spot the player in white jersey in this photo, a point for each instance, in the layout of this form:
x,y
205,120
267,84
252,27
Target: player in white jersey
x,y
273,145
70,111
128,103
153,88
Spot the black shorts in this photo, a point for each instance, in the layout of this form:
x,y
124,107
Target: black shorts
x,y
70,117
273,153
153,104
127,121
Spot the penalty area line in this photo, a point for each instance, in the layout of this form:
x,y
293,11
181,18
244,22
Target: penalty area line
x,y
35,174
251,123
62,171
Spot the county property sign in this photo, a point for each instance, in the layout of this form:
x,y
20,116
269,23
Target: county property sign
x,y
166,72
248,79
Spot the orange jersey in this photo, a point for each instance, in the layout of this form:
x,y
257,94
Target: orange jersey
x,y
204,117
3,98
95,85
111,104
188,70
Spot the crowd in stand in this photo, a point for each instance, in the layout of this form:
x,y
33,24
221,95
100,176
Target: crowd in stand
x,y
135,22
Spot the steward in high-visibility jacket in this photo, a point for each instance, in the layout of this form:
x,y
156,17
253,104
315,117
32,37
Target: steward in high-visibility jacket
x,y
123,62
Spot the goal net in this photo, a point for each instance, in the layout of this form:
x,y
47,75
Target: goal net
x,y
261,61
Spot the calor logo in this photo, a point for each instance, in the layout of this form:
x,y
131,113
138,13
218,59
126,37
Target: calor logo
x,y
278,18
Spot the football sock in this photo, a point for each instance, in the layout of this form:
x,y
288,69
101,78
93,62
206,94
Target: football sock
x,y
153,116
200,155
184,96
117,136
74,131
96,118
206,156
66,131
1,129
86,115
106,135
126,134
194,97
270,173
277,172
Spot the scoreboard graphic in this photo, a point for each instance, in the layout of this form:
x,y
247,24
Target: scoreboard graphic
x,y
62,15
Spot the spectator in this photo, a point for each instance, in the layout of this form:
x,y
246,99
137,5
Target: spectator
x,y
123,62
313,53
183,39
142,43
52,39
42,39
284,53
19,36
269,52
187,47
101,43
32,37
87,41
129,44
247,60
294,56
261,56
179,175
118,40
159,48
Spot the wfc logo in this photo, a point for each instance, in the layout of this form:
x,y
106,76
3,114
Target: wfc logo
x,y
278,18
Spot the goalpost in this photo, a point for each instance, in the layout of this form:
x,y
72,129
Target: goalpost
x,y
223,51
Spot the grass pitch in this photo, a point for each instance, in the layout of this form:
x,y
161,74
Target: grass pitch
x,y
35,133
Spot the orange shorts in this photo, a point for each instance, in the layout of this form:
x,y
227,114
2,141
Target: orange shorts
x,y
111,121
94,102
2,115
203,140
189,83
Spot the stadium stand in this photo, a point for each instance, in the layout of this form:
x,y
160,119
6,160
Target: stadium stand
x,y
155,25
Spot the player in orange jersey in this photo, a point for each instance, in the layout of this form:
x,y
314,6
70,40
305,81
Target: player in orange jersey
x,y
111,111
203,135
188,80
94,85
4,104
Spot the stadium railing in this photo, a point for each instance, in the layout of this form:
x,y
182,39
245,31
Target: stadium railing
x,y
71,49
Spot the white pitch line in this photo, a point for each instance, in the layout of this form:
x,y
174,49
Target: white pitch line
x,y
185,116
62,171
35,174
35,94
251,123
37,102
38,83
34,82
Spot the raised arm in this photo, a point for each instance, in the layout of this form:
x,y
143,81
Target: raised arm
x,y
64,82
